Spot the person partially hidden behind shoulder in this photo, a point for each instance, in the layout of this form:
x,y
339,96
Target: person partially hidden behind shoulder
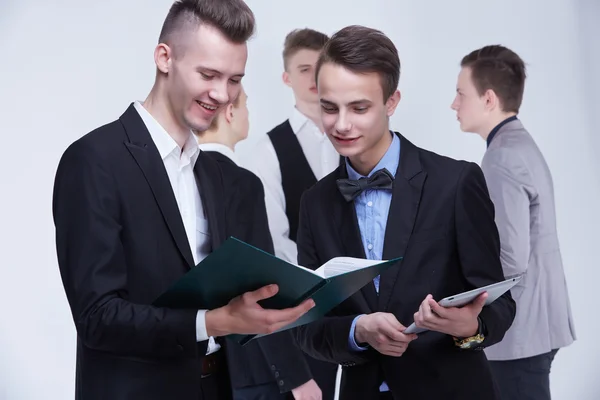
x,y
489,93
137,204
251,374
392,199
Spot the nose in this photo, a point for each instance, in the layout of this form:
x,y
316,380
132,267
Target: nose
x,y
219,93
454,104
343,125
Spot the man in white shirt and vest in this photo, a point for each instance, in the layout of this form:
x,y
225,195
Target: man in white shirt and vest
x,y
293,156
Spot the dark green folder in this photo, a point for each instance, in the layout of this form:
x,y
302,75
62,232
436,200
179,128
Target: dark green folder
x,y
237,267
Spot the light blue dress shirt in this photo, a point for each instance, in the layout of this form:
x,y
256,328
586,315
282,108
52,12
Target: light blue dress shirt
x,y
372,209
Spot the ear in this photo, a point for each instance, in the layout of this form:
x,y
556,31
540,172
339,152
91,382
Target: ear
x,y
286,78
228,113
490,100
392,103
163,56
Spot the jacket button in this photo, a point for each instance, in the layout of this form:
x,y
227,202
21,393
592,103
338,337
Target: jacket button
x,y
280,383
276,374
273,368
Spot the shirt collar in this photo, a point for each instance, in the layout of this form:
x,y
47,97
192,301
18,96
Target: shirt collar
x,y
497,128
389,161
220,148
297,120
165,144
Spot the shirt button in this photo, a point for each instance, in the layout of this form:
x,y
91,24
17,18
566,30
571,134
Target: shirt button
x,y
370,247
370,204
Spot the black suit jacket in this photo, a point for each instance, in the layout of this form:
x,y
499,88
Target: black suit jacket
x,y
276,358
121,243
441,220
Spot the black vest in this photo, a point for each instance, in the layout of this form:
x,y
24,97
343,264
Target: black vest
x,y
296,174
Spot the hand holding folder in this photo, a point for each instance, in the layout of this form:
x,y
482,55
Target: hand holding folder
x,y
236,268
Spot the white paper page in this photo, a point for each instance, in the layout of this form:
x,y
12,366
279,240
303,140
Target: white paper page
x,y
340,265
316,272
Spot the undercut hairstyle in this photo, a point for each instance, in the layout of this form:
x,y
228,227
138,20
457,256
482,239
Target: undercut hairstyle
x,y
363,50
233,18
499,69
302,39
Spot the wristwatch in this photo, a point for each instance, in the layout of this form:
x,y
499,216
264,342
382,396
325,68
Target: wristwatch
x,y
472,341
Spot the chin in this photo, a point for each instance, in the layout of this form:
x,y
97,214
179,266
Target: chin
x,y
198,124
348,151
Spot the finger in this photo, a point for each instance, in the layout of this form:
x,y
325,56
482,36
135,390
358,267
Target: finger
x,y
277,319
438,310
394,332
479,302
425,309
260,294
431,323
482,299
394,351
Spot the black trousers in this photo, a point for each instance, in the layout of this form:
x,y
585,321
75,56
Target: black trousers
x,y
269,391
525,378
216,387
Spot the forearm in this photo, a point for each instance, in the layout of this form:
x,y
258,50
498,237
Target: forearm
x,y
479,250
497,318
120,327
328,340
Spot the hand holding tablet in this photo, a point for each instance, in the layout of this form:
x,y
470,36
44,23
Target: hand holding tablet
x,y
494,291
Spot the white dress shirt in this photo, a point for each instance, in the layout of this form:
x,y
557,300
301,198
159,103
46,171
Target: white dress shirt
x,y
220,148
179,164
322,159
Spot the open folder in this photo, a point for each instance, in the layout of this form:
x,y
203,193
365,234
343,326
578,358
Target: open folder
x,y
237,267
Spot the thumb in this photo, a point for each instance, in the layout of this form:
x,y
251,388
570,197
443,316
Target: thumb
x,y
260,294
480,300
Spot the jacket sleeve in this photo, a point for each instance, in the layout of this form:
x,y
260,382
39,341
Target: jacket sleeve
x,y
93,267
479,249
506,178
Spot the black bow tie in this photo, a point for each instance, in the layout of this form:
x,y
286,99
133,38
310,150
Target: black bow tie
x,y
351,188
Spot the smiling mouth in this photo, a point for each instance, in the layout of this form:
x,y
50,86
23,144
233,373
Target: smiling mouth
x,y
345,140
206,106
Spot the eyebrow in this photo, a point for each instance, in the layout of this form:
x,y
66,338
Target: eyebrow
x,y
214,71
304,66
352,103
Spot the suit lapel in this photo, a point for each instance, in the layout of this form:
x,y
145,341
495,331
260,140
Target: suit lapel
x,y
210,183
344,217
406,196
145,153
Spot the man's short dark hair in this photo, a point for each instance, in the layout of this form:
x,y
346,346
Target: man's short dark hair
x,y
302,39
233,18
364,50
501,70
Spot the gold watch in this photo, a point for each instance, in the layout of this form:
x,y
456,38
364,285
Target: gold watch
x,y
472,341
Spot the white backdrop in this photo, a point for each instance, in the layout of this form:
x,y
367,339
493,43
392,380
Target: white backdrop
x,y
70,66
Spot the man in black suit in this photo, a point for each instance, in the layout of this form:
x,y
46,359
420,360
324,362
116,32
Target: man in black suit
x,y
394,199
250,366
136,205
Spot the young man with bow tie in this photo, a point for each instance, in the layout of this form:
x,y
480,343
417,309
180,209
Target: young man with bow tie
x,y
393,199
